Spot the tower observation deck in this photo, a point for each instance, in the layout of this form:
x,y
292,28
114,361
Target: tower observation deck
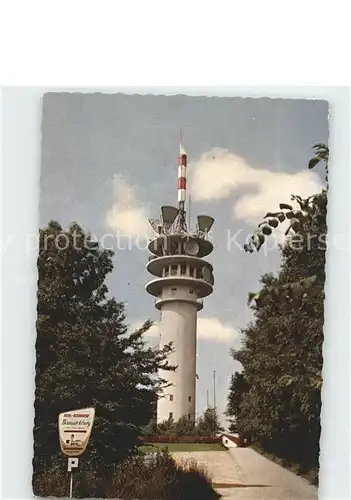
x,y
181,279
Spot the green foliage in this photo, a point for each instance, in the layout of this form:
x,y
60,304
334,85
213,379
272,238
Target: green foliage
x,y
175,444
307,237
166,428
151,429
184,427
237,390
321,154
85,354
208,424
142,477
311,211
276,400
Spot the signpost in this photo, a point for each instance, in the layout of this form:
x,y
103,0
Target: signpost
x,y
75,427
72,464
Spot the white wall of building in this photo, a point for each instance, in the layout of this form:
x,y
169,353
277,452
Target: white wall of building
x,y
228,443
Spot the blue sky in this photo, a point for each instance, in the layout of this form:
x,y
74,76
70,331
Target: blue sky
x,y
110,161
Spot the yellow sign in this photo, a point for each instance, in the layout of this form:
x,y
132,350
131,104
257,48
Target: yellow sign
x,y
74,430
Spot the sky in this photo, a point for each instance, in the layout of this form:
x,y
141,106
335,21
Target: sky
x,y
110,161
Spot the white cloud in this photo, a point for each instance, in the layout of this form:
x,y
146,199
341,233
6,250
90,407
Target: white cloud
x,y
127,217
219,173
274,188
212,328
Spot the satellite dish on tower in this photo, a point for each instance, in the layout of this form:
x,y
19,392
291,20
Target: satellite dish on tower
x,y
191,248
205,223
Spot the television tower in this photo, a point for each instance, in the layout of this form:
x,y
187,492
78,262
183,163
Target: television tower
x,y
182,278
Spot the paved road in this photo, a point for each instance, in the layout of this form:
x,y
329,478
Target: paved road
x,y
255,476
219,465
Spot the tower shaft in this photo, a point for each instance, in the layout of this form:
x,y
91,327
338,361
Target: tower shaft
x,y
178,326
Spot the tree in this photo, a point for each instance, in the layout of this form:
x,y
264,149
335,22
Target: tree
x,y
308,232
85,354
309,218
321,154
151,429
166,428
279,404
184,427
237,389
208,424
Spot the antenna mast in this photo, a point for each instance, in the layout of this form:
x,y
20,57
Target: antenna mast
x,y
181,222
214,389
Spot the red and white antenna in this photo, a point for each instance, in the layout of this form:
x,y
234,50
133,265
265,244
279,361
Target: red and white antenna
x,y
181,225
182,175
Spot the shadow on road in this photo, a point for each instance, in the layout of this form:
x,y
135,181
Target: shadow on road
x,y
237,485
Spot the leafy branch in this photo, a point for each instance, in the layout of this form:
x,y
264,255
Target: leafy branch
x,y
311,210
298,289
321,154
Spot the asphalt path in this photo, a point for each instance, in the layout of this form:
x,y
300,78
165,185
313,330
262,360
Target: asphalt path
x,y
245,474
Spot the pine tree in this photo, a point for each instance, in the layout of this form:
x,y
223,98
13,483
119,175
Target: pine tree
x,y
209,424
85,354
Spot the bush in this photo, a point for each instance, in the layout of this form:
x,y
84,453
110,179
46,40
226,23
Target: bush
x,y
206,425
180,439
191,482
146,477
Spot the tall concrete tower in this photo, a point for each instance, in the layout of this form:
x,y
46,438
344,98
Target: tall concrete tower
x,y
181,279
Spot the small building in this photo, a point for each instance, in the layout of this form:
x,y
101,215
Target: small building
x,y
231,440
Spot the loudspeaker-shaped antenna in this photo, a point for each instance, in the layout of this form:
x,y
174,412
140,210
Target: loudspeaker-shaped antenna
x,y
169,215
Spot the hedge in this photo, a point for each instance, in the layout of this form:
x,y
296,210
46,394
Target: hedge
x,y
180,439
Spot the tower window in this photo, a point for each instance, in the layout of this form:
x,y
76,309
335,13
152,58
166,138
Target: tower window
x,y
171,397
182,269
166,271
170,415
191,291
191,271
189,416
189,399
174,270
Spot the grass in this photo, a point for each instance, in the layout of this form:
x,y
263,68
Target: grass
x,y
174,447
